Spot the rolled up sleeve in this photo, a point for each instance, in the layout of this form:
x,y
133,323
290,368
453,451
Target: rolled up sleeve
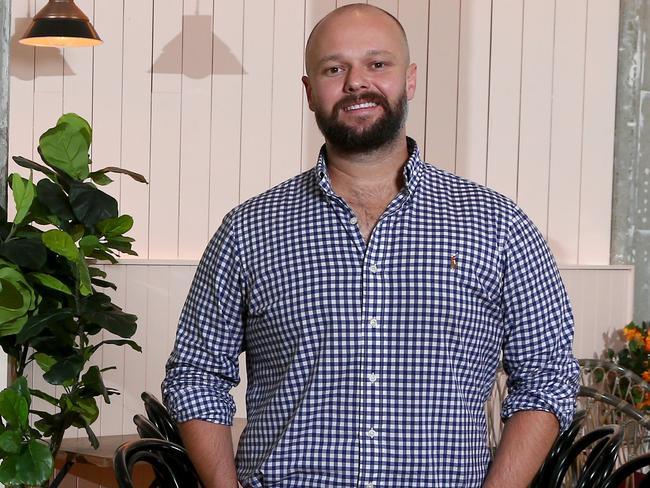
x,y
537,349
204,366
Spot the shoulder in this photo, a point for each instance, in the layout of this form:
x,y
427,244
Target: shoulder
x,y
463,195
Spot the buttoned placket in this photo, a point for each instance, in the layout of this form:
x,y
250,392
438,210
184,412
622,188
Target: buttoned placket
x,y
371,391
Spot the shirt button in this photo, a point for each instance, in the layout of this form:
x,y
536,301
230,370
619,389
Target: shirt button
x,y
353,220
370,484
374,322
372,377
374,268
372,433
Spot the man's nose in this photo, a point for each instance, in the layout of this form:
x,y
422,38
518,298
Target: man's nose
x,y
355,80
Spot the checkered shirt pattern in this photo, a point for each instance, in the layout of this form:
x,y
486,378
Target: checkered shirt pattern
x,y
369,364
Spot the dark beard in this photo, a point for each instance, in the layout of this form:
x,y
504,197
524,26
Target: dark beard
x,y
384,131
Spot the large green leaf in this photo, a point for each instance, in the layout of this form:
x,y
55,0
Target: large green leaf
x,y
24,194
115,227
113,169
61,243
54,199
25,252
35,464
10,441
26,163
8,470
85,285
14,408
65,370
17,297
44,361
91,205
116,321
51,282
93,383
119,342
66,147
37,323
21,387
78,123
88,410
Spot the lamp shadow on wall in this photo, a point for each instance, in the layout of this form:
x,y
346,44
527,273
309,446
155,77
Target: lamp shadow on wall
x,y
171,61
51,61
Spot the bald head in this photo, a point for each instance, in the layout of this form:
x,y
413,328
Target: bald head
x,y
361,14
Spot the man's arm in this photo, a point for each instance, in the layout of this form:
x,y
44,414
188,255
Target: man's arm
x,y
527,438
210,449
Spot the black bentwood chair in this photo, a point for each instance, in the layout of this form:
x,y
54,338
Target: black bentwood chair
x,y
600,447
161,419
630,469
169,461
146,429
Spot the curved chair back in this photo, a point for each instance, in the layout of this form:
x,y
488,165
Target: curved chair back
x,y
560,447
159,416
170,463
618,477
146,430
605,439
601,460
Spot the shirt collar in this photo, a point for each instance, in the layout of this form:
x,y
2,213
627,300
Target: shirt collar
x,y
411,170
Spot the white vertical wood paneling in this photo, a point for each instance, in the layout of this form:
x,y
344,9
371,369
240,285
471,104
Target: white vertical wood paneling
x,y
442,83
312,139
287,90
226,109
107,90
136,116
21,95
536,100
598,127
257,92
414,16
158,292
473,89
135,374
78,74
505,82
196,116
167,53
224,97
566,132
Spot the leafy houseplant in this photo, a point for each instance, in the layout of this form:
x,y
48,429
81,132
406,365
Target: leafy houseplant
x,y
51,305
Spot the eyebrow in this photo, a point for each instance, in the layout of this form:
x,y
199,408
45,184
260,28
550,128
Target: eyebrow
x,y
372,52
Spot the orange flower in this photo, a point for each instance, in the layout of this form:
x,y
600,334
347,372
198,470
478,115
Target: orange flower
x,y
647,344
646,376
632,333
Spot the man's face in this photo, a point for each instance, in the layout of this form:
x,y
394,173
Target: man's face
x,y
359,79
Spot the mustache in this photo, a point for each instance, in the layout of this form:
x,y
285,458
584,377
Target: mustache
x,y
373,97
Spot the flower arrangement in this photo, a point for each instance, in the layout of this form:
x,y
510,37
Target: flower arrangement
x,y
635,356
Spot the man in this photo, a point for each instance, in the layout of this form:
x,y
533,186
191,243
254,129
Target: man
x,y
373,295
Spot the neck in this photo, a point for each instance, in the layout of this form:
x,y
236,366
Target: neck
x,y
381,168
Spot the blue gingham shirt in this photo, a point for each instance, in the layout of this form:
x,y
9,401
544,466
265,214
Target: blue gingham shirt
x,y
369,364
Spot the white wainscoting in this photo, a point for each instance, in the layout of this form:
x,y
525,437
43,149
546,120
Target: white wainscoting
x,y
156,290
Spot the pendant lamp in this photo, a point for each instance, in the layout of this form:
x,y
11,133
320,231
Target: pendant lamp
x,y
60,24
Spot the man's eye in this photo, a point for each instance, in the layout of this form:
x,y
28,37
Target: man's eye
x,y
378,64
333,70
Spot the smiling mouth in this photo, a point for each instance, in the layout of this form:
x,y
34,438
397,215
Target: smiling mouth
x,y
360,106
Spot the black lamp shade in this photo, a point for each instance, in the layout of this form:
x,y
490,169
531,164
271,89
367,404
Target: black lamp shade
x,y
60,24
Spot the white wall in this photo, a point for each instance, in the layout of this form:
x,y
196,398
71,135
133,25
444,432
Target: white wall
x,y
204,98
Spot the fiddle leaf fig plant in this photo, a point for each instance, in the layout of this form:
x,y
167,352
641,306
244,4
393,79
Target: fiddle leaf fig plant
x,y
52,302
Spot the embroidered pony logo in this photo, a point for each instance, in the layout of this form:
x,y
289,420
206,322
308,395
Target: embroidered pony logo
x,y
453,261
